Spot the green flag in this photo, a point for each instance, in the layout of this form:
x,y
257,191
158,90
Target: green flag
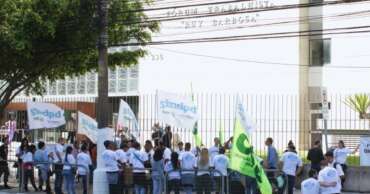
x,y
242,157
197,137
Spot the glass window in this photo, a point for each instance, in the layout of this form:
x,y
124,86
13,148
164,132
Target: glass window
x,y
81,85
320,52
61,87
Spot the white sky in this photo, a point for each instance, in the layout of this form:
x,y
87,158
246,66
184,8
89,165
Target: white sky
x,y
167,70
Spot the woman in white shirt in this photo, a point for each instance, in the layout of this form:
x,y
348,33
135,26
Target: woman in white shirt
x,y
68,171
172,168
84,162
203,179
27,166
341,154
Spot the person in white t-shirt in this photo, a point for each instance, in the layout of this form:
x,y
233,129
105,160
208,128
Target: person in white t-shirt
x,y
172,168
291,166
122,153
213,150
180,148
220,164
166,152
329,177
188,163
311,185
341,154
68,174
138,159
110,159
84,162
28,167
58,165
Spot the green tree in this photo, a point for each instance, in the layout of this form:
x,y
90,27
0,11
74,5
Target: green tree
x,y
49,39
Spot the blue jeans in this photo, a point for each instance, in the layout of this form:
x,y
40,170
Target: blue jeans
x,y
139,189
69,180
188,182
58,179
158,183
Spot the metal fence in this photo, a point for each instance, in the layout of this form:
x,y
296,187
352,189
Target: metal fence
x,y
280,116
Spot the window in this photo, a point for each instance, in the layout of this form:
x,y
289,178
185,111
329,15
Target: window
x,y
71,86
133,79
91,83
122,80
320,52
61,87
81,85
112,80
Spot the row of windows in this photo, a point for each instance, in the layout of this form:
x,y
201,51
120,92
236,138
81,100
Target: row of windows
x,y
121,80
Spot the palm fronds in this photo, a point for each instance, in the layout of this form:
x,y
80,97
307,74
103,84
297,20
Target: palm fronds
x,y
360,103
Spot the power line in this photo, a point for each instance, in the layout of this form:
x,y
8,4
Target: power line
x,y
256,61
259,36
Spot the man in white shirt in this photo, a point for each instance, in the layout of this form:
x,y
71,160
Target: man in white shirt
x,y
138,159
110,159
180,148
166,153
83,162
122,153
58,166
214,150
220,163
329,177
291,166
188,162
311,185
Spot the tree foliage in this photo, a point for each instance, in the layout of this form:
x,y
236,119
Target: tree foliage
x,y
359,103
49,39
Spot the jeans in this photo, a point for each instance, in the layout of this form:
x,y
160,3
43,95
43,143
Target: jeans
x,y
84,183
188,182
58,179
291,184
28,174
173,185
69,179
316,167
4,170
203,184
139,189
158,183
251,185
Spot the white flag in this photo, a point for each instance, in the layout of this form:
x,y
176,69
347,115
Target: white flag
x,y
87,126
176,110
245,118
126,118
44,115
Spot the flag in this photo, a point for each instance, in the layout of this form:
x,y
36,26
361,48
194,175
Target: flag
x,y
242,156
127,118
197,137
44,115
87,126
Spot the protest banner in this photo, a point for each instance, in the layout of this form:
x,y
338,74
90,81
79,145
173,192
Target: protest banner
x,y
176,110
365,151
127,118
87,126
44,115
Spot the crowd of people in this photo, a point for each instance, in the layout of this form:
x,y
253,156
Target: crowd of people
x,y
131,167
65,162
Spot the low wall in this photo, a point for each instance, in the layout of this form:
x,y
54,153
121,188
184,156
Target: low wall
x,y
357,179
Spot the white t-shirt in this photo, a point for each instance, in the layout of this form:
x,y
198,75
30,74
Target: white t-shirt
x,y
83,159
310,186
188,161
221,163
167,154
110,160
122,156
213,151
27,157
329,175
290,163
338,167
137,160
59,148
70,160
341,154
180,152
168,168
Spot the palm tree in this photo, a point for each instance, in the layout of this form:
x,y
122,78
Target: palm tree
x,y
360,103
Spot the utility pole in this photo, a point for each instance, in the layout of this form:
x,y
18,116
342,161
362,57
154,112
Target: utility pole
x,y
102,106
100,185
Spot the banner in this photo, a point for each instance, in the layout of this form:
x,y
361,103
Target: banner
x,y
365,151
242,156
11,125
177,111
44,115
87,126
126,118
